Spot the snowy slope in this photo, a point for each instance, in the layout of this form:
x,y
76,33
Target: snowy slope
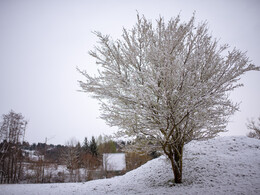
x,y
225,165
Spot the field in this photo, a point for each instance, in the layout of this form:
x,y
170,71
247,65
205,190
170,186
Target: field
x,y
224,165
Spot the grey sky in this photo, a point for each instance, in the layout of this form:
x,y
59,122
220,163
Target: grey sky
x,y
42,42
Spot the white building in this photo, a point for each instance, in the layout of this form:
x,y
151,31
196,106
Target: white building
x,y
114,161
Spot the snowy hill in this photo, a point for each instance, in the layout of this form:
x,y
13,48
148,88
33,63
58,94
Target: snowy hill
x,y
224,165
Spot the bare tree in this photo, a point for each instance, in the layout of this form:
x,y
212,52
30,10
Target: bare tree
x,y
169,84
12,133
254,126
70,157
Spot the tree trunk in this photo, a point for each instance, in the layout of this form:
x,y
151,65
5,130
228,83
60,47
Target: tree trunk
x,y
3,174
20,170
178,165
12,169
175,154
8,168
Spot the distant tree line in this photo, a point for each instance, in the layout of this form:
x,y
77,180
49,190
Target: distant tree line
x,y
21,161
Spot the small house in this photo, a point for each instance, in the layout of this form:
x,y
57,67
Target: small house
x,y
114,162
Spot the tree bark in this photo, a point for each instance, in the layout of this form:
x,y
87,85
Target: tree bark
x,y
178,165
175,154
3,174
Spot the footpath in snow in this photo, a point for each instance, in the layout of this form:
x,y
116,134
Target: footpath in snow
x,y
224,165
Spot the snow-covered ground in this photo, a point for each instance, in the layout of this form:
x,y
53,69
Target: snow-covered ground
x,y
224,165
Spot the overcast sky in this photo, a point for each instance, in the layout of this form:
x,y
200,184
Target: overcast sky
x,y
42,43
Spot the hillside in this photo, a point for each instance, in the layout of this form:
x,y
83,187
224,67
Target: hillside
x,y
224,165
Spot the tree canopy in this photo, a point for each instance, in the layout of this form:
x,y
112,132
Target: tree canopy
x,y
169,83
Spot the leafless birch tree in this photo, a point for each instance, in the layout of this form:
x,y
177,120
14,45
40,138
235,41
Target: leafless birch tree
x,y
12,131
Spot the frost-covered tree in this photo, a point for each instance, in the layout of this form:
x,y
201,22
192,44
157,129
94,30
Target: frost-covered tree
x,y
168,83
254,127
